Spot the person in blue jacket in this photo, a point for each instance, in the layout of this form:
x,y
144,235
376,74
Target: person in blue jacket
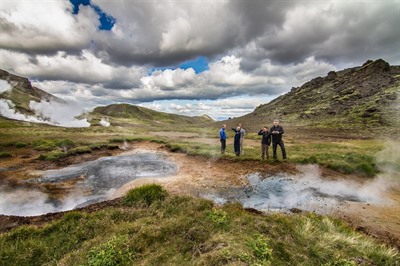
x,y
222,138
236,141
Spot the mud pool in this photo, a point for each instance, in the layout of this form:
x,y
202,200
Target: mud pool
x,y
81,184
286,193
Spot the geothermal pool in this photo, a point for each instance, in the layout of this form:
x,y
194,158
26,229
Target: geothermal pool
x,y
96,181
307,191
84,183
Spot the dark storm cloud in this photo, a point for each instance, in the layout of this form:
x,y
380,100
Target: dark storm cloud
x,y
335,33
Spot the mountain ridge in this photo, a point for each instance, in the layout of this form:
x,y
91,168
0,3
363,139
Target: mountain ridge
x,y
361,98
143,114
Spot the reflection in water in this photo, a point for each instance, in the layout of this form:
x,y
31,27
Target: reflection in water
x,y
92,182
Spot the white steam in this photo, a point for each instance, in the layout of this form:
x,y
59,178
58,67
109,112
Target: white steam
x,y
309,190
104,122
31,202
59,114
52,113
7,110
4,86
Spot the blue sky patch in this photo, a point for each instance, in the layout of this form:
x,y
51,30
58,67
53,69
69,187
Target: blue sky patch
x,y
199,64
106,21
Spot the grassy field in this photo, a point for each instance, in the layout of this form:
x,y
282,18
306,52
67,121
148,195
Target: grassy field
x,y
347,156
150,227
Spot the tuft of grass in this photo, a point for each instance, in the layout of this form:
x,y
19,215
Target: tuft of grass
x,y
112,146
111,253
52,156
145,195
218,217
261,252
51,144
20,145
5,155
79,150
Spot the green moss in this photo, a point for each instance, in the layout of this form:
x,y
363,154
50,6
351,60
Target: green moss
x,y
79,150
145,195
20,145
5,155
52,156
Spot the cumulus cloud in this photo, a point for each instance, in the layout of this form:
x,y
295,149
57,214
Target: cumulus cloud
x,y
29,26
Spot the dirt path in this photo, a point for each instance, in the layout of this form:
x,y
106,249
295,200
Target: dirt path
x,y
198,174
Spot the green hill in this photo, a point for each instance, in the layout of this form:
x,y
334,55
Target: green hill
x,y
141,115
360,99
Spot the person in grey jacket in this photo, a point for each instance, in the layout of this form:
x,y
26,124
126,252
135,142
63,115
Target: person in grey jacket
x,y
276,132
242,134
265,142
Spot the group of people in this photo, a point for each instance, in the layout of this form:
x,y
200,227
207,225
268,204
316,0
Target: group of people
x,y
274,135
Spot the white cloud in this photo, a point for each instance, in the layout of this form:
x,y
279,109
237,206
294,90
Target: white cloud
x,y
31,26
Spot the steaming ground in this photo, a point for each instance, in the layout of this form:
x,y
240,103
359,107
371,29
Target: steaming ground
x,y
306,191
52,113
85,183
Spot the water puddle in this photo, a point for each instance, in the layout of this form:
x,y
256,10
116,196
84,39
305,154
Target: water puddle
x,y
83,184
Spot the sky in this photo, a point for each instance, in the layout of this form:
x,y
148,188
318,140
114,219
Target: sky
x,y
222,58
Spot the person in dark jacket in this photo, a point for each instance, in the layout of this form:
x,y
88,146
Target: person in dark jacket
x,y
276,132
236,141
222,138
265,142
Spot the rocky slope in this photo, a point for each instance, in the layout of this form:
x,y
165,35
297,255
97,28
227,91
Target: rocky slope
x,y
360,98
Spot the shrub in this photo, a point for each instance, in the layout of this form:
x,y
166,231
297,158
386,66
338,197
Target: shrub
x,y
145,195
112,146
260,249
110,253
218,217
79,150
64,143
5,155
43,145
20,145
341,262
48,145
52,156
